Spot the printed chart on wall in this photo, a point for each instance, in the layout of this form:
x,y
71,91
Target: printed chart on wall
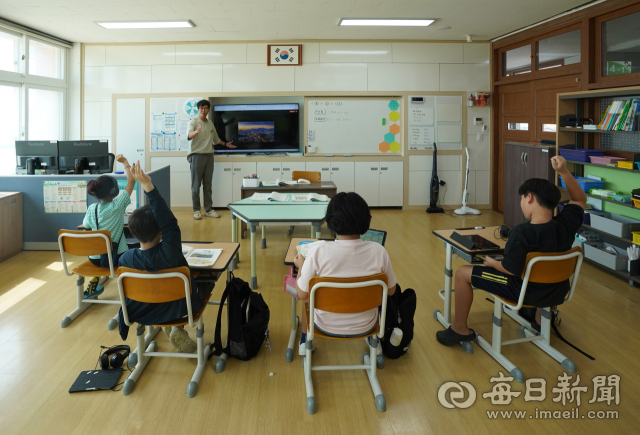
x,y
65,196
354,125
436,119
169,121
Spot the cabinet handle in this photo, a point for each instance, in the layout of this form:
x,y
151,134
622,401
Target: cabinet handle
x,y
383,169
227,169
336,169
325,169
285,169
522,158
236,169
276,169
374,169
526,158
11,201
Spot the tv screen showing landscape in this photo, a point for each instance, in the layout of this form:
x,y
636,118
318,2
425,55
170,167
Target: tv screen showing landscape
x,y
257,128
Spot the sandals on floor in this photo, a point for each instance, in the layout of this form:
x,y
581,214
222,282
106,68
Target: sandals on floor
x,y
449,337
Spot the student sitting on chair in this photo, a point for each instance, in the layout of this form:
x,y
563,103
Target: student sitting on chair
x,y
108,214
155,226
348,216
544,233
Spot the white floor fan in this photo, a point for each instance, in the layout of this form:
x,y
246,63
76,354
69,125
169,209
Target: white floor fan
x,y
464,209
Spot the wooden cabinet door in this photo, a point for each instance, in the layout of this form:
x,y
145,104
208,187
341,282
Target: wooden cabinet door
x,y
513,178
11,225
538,163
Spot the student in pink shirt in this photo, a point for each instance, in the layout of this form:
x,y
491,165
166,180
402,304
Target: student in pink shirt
x,y
349,256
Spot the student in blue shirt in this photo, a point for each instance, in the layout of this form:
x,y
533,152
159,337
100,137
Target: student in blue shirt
x,y
108,214
155,226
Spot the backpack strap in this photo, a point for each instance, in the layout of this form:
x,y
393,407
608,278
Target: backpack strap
x,y
216,347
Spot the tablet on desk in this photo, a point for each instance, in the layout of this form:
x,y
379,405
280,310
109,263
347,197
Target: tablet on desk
x,y
473,241
377,236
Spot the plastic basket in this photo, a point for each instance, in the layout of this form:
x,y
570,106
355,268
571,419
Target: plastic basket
x,y
636,202
250,182
625,164
579,155
604,160
586,183
636,237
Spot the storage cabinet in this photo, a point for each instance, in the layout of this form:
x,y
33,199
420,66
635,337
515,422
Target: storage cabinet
x,y
341,173
271,171
523,161
227,181
381,184
10,224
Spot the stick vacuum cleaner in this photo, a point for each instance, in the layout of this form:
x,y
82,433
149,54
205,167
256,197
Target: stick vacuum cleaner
x,y
464,209
435,185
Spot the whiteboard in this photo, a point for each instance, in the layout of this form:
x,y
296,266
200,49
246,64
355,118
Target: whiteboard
x,y
369,125
435,119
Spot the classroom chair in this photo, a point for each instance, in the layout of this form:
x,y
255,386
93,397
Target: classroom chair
x,y
312,176
84,244
544,268
164,286
347,295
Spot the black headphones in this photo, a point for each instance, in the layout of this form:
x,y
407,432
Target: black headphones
x,y
117,358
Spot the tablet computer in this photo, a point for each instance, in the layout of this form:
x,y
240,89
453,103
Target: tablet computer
x,y
377,236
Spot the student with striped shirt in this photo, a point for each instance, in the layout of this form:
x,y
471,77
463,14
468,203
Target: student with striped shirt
x,y
108,214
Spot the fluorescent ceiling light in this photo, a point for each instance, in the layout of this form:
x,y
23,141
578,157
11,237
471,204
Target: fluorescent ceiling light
x,y
145,24
383,22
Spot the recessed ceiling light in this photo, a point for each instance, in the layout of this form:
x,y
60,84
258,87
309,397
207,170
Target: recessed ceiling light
x,y
384,22
145,24
444,28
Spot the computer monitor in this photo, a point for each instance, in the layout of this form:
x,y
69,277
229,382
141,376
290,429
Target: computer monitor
x,y
43,152
91,155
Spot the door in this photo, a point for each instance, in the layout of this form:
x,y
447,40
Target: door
x,y
391,184
323,167
513,177
289,167
130,128
268,171
342,174
221,185
240,170
367,182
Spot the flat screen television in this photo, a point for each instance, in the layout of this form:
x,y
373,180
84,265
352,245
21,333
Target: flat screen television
x,y
92,156
257,128
43,153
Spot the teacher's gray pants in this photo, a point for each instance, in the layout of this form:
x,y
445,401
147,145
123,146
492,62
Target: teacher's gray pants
x,y
201,173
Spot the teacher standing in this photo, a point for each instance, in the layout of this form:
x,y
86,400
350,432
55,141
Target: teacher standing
x,y
202,136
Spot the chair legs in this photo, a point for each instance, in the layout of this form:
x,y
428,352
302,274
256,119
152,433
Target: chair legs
x,y
141,357
369,364
545,342
83,304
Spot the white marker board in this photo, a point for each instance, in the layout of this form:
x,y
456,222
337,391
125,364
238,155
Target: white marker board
x,y
355,125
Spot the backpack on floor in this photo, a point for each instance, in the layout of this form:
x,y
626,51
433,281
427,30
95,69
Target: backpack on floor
x,y
248,316
401,307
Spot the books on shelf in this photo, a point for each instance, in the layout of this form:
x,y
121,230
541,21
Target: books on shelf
x,y
273,196
621,115
200,257
304,197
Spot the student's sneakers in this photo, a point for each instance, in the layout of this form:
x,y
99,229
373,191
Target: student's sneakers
x,y
93,289
167,331
182,342
197,216
212,214
302,349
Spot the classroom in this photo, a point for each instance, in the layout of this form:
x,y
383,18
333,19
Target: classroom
x,y
392,217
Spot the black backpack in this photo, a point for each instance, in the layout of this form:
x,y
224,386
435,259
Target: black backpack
x,y
401,307
248,321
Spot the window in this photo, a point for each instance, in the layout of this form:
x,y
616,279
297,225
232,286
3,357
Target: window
x,y
621,45
559,50
10,131
516,61
549,128
46,60
10,52
523,126
45,114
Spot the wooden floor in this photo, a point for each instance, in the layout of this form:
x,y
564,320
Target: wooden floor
x,y
39,361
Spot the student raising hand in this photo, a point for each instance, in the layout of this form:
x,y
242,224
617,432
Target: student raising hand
x,y
559,164
139,174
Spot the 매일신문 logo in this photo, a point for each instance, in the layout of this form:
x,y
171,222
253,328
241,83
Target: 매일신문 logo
x,y
454,399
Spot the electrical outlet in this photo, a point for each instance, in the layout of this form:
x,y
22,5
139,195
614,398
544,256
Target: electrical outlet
x,y
485,128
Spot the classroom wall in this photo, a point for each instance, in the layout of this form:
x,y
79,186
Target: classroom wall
x,y
367,67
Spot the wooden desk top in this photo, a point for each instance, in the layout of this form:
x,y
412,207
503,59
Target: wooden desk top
x,y
292,251
488,233
297,187
229,249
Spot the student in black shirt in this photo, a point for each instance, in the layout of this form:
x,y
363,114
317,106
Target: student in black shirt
x,y
155,226
543,233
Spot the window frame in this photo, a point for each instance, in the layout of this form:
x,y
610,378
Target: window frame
x,y
63,121
44,80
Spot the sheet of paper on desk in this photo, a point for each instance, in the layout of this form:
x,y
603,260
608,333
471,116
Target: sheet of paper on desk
x,y
305,248
260,197
203,257
270,184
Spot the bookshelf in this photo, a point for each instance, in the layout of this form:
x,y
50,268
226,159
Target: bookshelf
x,y
619,143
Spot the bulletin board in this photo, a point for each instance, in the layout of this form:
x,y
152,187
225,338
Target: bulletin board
x,y
364,125
169,119
436,119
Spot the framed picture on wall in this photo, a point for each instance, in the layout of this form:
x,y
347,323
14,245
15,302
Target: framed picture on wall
x,y
284,54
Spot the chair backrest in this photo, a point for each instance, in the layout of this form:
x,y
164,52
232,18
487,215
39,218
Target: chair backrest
x,y
155,287
347,295
551,269
85,243
307,175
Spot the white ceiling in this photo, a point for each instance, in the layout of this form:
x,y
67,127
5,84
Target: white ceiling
x,y
278,20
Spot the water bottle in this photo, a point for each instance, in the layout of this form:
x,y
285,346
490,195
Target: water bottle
x,y
396,337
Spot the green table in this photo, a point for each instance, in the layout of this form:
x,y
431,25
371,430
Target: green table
x,y
262,213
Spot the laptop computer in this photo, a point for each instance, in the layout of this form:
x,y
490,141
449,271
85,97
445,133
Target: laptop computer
x,y
93,380
377,236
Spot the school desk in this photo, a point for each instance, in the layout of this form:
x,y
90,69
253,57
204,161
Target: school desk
x,y
471,256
